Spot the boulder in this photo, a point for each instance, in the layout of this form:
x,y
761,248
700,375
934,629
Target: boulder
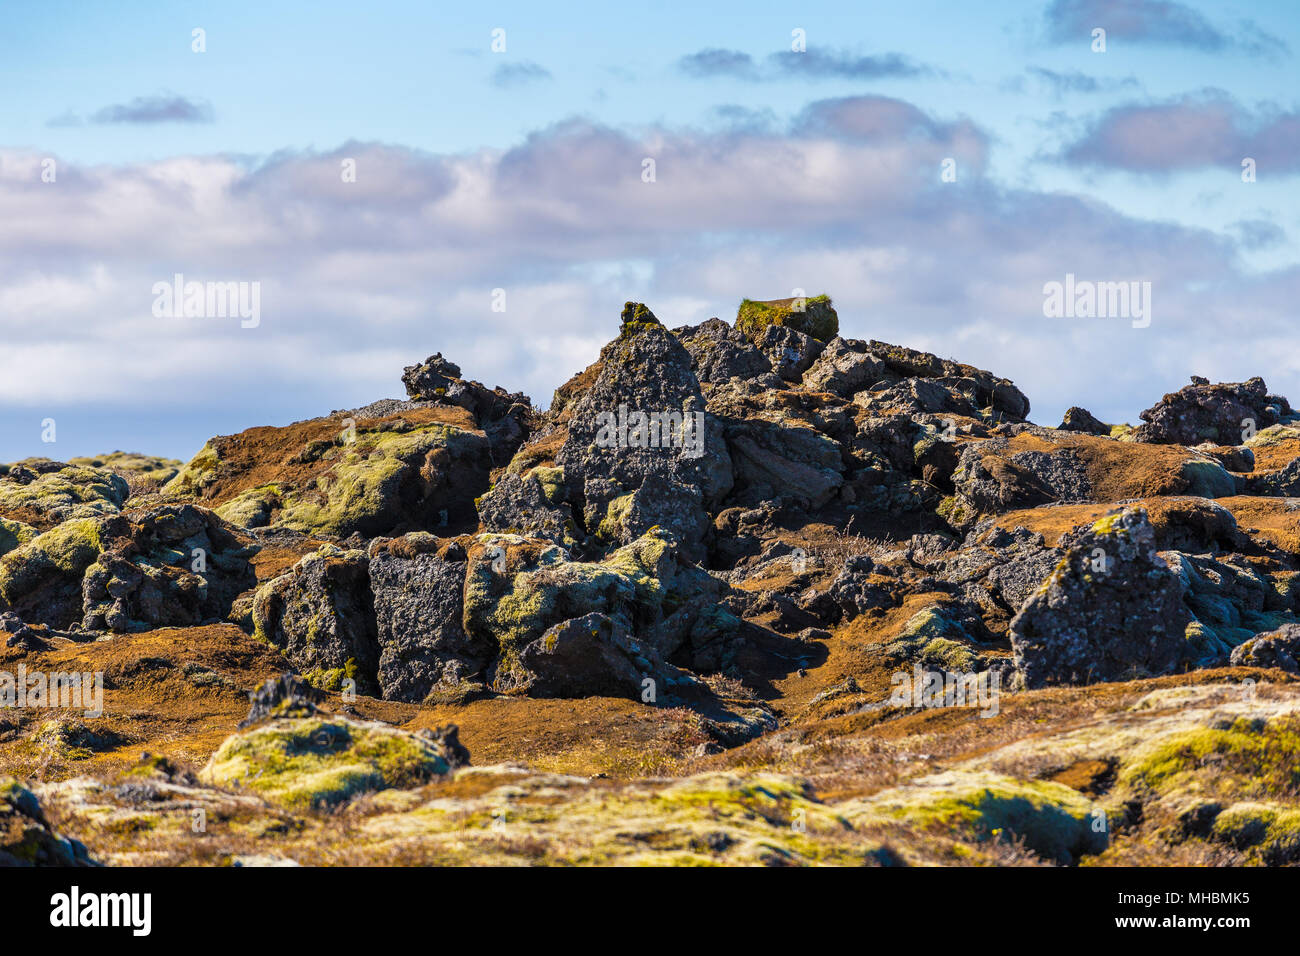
x,y
720,353
26,837
1226,414
417,583
177,566
1111,610
643,418
1280,649
1081,420
321,616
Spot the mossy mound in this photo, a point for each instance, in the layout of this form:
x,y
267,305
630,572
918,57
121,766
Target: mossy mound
x,y
42,493
41,578
813,316
133,465
320,762
1247,759
13,534
1051,819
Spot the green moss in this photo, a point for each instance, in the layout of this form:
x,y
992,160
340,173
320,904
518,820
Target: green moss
x,y
611,525
67,549
817,318
363,482
320,762
934,639
13,534
1052,819
196,475
72,491
1271,832
1246,759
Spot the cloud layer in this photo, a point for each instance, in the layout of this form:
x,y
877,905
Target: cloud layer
x,y
359,278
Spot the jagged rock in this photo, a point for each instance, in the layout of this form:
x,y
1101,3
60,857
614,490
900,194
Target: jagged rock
x,y
720,353
614,448
177,566
286,696
1226,413
417,582
1280,649
1081,420
844,368
1283,483
532,504
1111,610
321,616
799,465
788,351
505,417
21,635
26,837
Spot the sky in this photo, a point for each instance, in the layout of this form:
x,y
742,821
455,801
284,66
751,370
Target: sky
x,y
397,179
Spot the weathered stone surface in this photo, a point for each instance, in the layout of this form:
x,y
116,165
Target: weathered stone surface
x,y
417,582
1111,610
1280,649
1081,420
26,837
321,616
178,566
611,451
1227,413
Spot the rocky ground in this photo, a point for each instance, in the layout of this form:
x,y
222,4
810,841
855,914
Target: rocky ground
x,y
744,593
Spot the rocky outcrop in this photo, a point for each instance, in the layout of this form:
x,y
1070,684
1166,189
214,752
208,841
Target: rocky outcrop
x,y
321,616
176,566
1226,414
26,837
641,449
504,417
39,493
1111,610
1280,649
1081,420
417,583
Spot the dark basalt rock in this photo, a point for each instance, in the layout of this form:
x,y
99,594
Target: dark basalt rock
x,y
1081,420
1111,610
1280,649
1226,413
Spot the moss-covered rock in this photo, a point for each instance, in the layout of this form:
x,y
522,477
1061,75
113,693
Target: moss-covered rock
x,y
813,316
41,579
26,838
14,533
42,493
322,761
1051,819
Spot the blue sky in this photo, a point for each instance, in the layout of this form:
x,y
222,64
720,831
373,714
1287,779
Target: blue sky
x,y
519,170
